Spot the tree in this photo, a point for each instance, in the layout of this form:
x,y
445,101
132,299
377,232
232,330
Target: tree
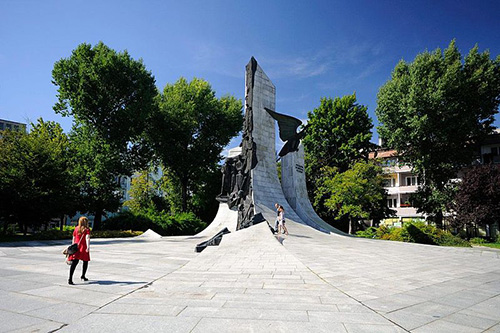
x,y
433,111
111,93
35,178
96,166
111,97
477,198
146,192
338,135
190,129
356,194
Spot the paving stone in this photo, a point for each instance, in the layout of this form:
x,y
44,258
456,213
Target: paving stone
x,y
216,325
441,326
13,321
131,323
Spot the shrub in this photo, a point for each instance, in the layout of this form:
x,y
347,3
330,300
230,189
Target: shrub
x,y
160,222
477,240
370,232
115,233
447,239
418,232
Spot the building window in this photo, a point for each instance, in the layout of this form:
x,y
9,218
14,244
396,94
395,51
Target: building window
x,y
411,181
9,126
392,203
1,126
390,182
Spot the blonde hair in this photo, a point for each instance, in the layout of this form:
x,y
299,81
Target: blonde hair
x,y
83,223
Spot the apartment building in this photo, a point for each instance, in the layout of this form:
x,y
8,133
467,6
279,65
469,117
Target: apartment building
x,y
11,125
400,184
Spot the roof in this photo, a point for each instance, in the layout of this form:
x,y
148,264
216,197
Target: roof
x,y
382,153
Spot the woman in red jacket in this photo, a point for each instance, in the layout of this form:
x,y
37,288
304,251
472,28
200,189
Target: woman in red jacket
x,y
81,236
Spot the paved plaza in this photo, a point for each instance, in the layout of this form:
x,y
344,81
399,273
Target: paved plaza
x,y
253,282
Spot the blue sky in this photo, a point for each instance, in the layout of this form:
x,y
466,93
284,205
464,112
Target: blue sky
x,y
310,49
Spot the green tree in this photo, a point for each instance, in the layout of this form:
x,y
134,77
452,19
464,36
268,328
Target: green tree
x,y
190,130
111,93
146,192
35,179
433,111
338,135
476,203
355,194
96,166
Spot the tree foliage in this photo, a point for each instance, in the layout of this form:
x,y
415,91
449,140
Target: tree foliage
x,y
35,179
109,92
111,97
477,200
96,166
433,110
338,135
147,191
189,131
357,193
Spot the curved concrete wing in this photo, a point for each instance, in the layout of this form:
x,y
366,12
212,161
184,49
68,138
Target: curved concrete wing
x,y
293,182
225,218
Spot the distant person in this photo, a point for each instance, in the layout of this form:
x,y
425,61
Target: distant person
x,y
81,236
281,220
276,223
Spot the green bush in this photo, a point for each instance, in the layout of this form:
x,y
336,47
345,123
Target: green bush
x,y
477,240
419,232
370,232
115,233
416,231
161,222
447,239
52,234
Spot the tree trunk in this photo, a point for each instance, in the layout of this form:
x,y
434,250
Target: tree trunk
x,y
97,219
25,229
61,226
184,194
439,220
350,226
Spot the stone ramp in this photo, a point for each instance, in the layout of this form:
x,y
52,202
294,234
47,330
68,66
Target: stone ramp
x,y
422,288
249,283
293,182
314,282
225,218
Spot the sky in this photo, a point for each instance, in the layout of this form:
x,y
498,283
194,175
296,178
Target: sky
x,y
309,49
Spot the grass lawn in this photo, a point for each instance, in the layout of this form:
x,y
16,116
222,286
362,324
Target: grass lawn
x,y
492,245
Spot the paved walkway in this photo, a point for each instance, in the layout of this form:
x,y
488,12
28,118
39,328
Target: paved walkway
x,y
252,283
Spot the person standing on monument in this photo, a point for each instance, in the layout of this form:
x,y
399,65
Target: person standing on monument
x,y
276,223
281,220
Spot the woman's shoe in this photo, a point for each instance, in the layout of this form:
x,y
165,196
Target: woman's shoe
x,y
70,282
84,278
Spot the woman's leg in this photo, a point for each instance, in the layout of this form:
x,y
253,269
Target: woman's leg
x,y
84,270
284,228
72,270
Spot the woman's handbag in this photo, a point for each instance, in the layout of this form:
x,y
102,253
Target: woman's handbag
x,y
73,248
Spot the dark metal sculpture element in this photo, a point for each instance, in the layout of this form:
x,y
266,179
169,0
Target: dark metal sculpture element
x,y
214,241
288,131
236,188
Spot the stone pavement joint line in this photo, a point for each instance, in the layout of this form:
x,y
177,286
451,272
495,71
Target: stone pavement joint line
x,y
310,281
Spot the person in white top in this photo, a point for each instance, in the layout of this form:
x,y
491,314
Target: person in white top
x,y
281,220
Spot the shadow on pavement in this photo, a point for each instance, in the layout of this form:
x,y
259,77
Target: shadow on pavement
x,y
109,282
